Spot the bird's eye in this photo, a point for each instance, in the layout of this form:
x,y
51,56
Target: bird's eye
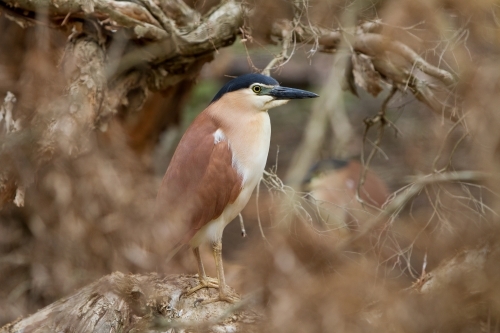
x,y
256,89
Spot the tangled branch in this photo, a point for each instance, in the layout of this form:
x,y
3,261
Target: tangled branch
x,y
376,61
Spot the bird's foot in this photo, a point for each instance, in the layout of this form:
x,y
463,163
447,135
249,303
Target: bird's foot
x,y
205,282
229,297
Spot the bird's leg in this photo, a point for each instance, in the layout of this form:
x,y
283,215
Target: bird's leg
x,y
224,294
205,281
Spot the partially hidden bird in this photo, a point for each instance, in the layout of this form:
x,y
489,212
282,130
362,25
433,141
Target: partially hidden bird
x,y
217,164
333,184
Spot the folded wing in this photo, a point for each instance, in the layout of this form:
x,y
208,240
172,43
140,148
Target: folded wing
x,y
200,180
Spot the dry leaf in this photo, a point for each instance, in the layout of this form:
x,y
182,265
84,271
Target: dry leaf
x,y
365,74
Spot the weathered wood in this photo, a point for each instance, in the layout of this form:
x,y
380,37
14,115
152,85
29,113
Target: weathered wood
x,y
138,303
73,116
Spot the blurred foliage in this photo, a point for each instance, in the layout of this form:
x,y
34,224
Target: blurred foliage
x,y
201,96
89,215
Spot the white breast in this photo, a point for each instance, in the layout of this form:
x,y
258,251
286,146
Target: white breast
x,y
250,148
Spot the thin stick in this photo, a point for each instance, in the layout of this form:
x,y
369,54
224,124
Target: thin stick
x,y
258,210
381,119
242,225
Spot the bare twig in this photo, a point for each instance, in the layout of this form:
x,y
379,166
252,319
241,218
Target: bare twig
x,y
282,56
381,119
404,195
258,213
242,226
441,148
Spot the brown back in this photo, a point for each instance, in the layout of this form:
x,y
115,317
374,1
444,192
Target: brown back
x,y
200,180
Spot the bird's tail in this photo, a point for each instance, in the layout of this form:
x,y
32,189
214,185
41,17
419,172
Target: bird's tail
x,y
174,251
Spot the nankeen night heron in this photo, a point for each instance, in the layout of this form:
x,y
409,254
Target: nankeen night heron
x,y
334,185
217,164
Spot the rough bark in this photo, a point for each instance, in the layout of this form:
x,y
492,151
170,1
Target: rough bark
x,y
74,115
138,303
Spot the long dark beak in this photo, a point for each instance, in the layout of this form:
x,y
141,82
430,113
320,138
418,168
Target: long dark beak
x,y
290,93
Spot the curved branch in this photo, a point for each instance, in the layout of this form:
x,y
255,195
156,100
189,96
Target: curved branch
x,y
328,40
180,12
165,22
376,45
217,30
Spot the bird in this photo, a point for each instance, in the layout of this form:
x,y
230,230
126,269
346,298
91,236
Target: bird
x,y
333,185
217,165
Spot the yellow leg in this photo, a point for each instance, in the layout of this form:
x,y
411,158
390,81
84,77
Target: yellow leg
x,y
205,281
224,294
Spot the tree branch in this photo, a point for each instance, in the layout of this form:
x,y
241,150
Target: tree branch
x,y
405,194
217,30
378,54
376,45
118,13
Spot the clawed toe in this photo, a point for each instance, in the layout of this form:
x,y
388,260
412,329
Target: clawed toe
x,y
205,282
226,297
212,280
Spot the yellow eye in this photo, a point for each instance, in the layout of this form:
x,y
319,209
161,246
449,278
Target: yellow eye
x,y
256,89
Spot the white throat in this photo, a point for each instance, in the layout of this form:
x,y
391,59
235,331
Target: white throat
x,y
274,103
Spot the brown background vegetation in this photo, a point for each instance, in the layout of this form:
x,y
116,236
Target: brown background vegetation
x,y
427,262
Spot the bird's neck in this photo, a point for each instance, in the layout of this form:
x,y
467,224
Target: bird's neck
x,y
249,135
237,121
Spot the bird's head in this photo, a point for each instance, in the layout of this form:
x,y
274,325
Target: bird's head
x,y
321,169
258,91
